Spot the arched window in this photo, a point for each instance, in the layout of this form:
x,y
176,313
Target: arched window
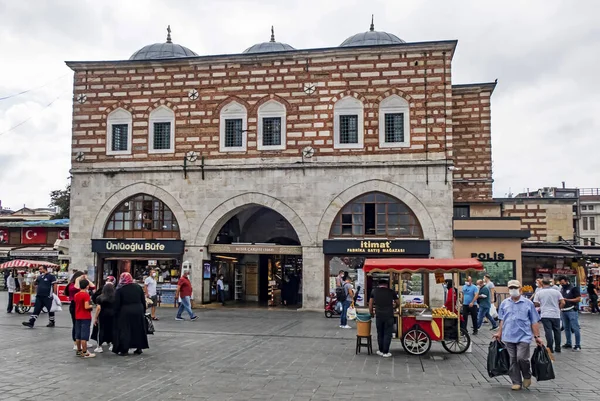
x,y
348,123
232,128
394,123
376,215
271,126
118,132
142,216
162,130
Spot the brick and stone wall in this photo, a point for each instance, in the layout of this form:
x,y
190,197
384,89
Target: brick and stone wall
x,y
472,142
548,221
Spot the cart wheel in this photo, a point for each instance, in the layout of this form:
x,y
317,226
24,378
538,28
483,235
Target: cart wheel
x,y
416,342
328,314
458,346
20,309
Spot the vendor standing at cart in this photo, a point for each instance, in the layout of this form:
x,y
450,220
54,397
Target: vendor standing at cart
x,y
385,301
12,288
43,299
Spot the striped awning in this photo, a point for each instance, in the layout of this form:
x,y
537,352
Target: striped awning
x,y
33,264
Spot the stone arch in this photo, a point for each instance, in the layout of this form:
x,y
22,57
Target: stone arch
x,y
386,187
230,99
397,92
219,215
334,99
162,102
117,105
288,107
141,187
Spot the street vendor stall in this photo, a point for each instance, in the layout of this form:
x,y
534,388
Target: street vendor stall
x,y
24,299
418,324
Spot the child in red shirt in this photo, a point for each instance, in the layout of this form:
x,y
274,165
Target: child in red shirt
x,y
83,319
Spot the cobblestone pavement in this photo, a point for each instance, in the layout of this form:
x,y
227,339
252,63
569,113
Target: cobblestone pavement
x,y
243,354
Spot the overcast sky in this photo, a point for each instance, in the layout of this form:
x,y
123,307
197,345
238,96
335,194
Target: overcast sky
x,y
545,54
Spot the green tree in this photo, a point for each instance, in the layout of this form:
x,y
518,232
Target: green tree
x,y
61,198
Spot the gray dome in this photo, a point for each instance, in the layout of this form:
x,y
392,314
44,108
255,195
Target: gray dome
x,y
270,46
162,50
372,38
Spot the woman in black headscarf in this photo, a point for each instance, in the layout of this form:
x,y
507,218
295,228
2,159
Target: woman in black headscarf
x,y
130,325
105,316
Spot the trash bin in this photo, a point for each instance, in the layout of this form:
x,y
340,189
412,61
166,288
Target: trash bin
x,y
363,324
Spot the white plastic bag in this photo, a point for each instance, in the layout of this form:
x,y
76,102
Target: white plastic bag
x,y
494,312
351,314
56,304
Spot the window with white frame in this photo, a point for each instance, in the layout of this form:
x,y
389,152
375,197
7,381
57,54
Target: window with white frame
x,y
394,123
583,207
271,126
348,123
232,128
162,130
592,223
118,132
585,223
591,207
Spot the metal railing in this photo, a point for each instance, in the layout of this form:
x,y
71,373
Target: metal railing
x,y
589,191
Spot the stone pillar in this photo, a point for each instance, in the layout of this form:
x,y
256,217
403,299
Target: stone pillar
x,y
313,265
195,255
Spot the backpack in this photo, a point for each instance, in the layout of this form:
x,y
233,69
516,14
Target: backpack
x,y
340,294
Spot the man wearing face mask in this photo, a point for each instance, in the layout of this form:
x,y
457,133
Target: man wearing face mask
x,y
470,294
570,313
518,326
150,290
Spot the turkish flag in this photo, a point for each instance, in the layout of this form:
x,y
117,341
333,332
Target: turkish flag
x,y
3,236
34,235
63,234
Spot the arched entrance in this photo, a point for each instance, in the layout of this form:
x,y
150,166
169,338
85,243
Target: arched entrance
x,y
259,255
141,234
374,225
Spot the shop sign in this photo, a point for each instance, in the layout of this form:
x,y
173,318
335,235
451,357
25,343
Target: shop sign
x,y
155,246
39,254
488,256
375,246
544,270
255,249
564,271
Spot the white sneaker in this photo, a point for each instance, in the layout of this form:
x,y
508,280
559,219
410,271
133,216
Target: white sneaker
x,y
98,350
346,327
75,347
379,353
341,327
110,348
388,355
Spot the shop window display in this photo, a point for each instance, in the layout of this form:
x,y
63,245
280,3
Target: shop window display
x,y
501,272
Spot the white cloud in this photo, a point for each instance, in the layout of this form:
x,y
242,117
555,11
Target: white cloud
x,y
545,122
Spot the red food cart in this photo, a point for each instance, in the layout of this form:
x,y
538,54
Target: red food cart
x,y
417,324
25,298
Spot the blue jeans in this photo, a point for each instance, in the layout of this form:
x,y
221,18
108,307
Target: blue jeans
x,y
185,305
484,311
570,322
344,317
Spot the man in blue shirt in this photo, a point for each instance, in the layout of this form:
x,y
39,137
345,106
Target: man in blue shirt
x,y
43,298
518,326
469,308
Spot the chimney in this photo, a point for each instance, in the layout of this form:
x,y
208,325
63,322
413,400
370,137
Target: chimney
x,y
563,184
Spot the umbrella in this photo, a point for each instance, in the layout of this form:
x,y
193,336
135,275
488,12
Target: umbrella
x,y
26,263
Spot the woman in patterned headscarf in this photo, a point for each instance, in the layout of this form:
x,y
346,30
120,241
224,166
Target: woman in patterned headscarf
x,y
130,324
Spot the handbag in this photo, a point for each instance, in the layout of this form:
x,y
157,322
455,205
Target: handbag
x,y
541,364
351,314
149,324
498,360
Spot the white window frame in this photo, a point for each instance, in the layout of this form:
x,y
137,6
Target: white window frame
x,y
584,207
233,110
585,226
271,109
592,223
392,105
118,117
348,105
161,114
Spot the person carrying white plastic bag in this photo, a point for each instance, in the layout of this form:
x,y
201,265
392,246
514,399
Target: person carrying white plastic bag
x,y
351,314
56,304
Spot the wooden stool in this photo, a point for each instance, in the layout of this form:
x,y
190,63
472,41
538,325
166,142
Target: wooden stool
x,y
360,344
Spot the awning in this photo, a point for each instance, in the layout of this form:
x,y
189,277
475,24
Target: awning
x,y
421,265
33,251
591,252
552,252
26,263
4,252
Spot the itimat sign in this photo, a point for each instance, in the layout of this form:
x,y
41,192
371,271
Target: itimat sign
x,y
373,247
138,246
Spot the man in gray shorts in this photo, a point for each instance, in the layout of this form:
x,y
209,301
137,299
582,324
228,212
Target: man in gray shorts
x,y
150,290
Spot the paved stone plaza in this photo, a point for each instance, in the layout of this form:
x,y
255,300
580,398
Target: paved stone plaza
x,y
239,354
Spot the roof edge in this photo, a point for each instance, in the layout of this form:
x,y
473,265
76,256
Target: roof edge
x,y
441,45
475,87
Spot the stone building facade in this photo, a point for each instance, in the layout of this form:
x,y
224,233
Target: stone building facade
x,y
139,123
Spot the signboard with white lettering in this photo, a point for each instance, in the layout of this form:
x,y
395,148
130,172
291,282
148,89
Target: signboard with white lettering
x,y
376,246
138,246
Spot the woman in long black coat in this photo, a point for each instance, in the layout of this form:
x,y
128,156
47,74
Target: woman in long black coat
x,y
130,324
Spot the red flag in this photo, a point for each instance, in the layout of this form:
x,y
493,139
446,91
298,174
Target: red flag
x,y
3,236
63,234
34,235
